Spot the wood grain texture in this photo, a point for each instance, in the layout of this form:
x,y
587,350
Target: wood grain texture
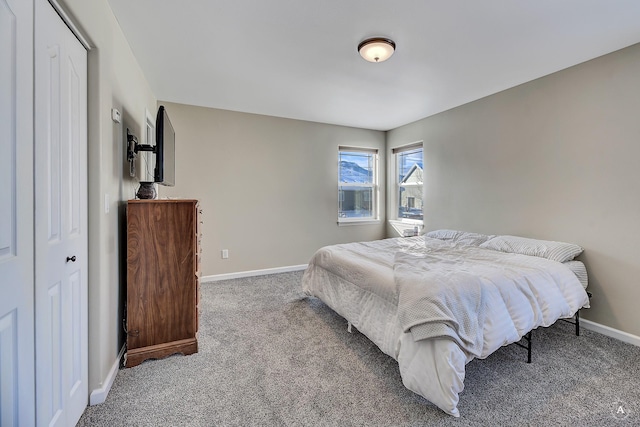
x,y
162,278
138,355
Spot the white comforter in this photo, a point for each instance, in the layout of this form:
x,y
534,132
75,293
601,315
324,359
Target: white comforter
x,y
434,307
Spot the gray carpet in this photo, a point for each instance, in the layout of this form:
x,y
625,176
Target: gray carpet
x,y
269,356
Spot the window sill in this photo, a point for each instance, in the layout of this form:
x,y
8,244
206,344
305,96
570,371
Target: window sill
x,y
406,227
407,222
346,222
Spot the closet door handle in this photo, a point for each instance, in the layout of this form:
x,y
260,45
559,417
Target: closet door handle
x,y
71,258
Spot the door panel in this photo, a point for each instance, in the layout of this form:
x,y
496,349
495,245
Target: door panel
x,y
75,129
51,349
61,252
16,214
52,139
7,132
9,370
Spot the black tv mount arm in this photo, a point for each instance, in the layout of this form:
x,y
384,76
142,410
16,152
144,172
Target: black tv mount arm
x,y
132,151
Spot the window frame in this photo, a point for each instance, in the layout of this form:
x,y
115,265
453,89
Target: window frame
x,y
374,185
397,186
147,159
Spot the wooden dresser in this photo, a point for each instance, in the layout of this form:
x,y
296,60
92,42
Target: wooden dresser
x,y
163,275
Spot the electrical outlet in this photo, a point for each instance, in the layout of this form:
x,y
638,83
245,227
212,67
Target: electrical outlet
x,y
225,253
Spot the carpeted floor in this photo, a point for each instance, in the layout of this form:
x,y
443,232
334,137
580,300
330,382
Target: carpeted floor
x,y
270,356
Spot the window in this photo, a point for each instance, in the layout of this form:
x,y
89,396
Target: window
x,y
357,184
409,181
147,158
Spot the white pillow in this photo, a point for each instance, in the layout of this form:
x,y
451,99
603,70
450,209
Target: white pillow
x,y
442,234
459,237
557,251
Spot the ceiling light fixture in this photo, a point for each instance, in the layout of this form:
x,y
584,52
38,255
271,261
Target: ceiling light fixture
x,y
376,49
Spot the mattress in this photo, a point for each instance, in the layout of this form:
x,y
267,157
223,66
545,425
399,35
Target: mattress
x,y
360,282
579,269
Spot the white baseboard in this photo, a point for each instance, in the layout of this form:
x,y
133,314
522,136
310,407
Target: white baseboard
x,y
610,332
99,395
251,273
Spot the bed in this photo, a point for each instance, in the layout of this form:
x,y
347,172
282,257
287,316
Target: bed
x,y
436,302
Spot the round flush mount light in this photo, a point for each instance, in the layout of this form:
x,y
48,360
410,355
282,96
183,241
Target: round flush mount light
x,y
376,49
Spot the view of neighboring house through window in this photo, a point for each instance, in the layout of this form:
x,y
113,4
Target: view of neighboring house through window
x,y
357,184
409,181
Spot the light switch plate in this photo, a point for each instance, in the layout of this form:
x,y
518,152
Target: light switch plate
x,y
115,115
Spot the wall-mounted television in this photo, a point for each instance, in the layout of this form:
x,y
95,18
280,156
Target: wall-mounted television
x,y
165,149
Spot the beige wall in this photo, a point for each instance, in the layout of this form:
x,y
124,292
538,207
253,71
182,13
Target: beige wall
x,y
115,81
556,158
267,186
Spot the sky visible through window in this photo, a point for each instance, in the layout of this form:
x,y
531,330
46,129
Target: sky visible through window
x,y
361,160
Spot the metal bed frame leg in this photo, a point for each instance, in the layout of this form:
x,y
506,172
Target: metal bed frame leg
x,y
576,318
529,335
529,338
575,321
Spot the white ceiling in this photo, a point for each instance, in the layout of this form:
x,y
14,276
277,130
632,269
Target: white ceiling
x,y
298,58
